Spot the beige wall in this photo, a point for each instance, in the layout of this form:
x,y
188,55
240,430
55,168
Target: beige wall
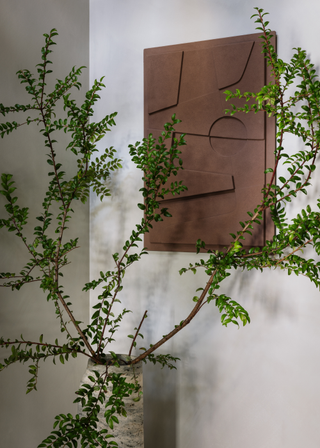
x,y
256,387
26,419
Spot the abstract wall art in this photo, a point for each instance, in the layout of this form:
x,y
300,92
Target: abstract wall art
x,y
225,157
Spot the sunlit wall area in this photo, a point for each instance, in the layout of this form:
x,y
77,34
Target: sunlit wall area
x,y
247,388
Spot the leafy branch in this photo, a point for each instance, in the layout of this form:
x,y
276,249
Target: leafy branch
x,y
158,161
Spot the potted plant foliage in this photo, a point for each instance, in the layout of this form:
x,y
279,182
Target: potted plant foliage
x,y
105,389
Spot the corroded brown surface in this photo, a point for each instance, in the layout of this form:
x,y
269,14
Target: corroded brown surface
x,y
225,157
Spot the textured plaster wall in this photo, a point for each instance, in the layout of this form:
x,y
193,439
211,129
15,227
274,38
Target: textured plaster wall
x,y
256,387
26,419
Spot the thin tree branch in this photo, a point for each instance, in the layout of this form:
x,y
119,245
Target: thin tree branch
x,y
137,332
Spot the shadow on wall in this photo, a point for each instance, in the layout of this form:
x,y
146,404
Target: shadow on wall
x,y
245,288
160,407
112,222
111,218
177,399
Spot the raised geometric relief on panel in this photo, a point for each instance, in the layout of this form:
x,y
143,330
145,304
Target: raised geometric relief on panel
x,y
225,157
